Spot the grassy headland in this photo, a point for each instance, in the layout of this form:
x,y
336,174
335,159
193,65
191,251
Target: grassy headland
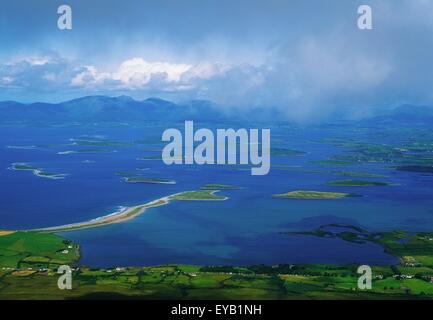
x,y
29,263
20,250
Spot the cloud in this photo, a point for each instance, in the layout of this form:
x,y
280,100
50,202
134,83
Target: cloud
x,y
139,74
306,63
36,74
295,79
89,77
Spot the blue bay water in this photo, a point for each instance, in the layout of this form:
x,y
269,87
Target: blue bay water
x,y
249,228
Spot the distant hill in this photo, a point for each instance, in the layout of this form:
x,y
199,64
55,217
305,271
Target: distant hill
x,y
103,108
406,114
124,108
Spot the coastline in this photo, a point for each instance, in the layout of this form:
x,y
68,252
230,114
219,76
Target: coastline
x,y
116,217
124,214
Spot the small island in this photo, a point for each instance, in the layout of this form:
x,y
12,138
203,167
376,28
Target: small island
x,y
312,195
198,196
356,183
84,151
148,180
416,168
22,166
214,186
133,178
36,171
283,152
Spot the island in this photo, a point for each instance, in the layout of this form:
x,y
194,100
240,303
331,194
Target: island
x,y
198,196
214,186
312,195
134,178
85,151
361,174
36,171
416,168
148,180
283,152
356,183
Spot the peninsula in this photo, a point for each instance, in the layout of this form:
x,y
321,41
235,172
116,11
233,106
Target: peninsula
x,y
132,212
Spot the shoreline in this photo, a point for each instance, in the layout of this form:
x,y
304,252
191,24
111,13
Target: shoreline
x,y
115,217
122,215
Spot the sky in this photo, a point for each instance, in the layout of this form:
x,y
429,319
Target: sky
x,y
307,58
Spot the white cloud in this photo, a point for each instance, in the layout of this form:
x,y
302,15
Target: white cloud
x,y
7,80
89,76
139,74
32,60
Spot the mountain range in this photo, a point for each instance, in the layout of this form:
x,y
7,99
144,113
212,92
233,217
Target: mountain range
x,y
125,108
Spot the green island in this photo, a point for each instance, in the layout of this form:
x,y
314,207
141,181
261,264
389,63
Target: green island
x,y
312,195
36,171
98,142
356,183
29,263
148,180
283,152
416,168
22,166
134,178
360,174
85,151
214,186
333,161
198,195
336,172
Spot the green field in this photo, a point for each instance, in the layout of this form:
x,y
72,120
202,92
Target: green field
x,y
29,262
37,250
